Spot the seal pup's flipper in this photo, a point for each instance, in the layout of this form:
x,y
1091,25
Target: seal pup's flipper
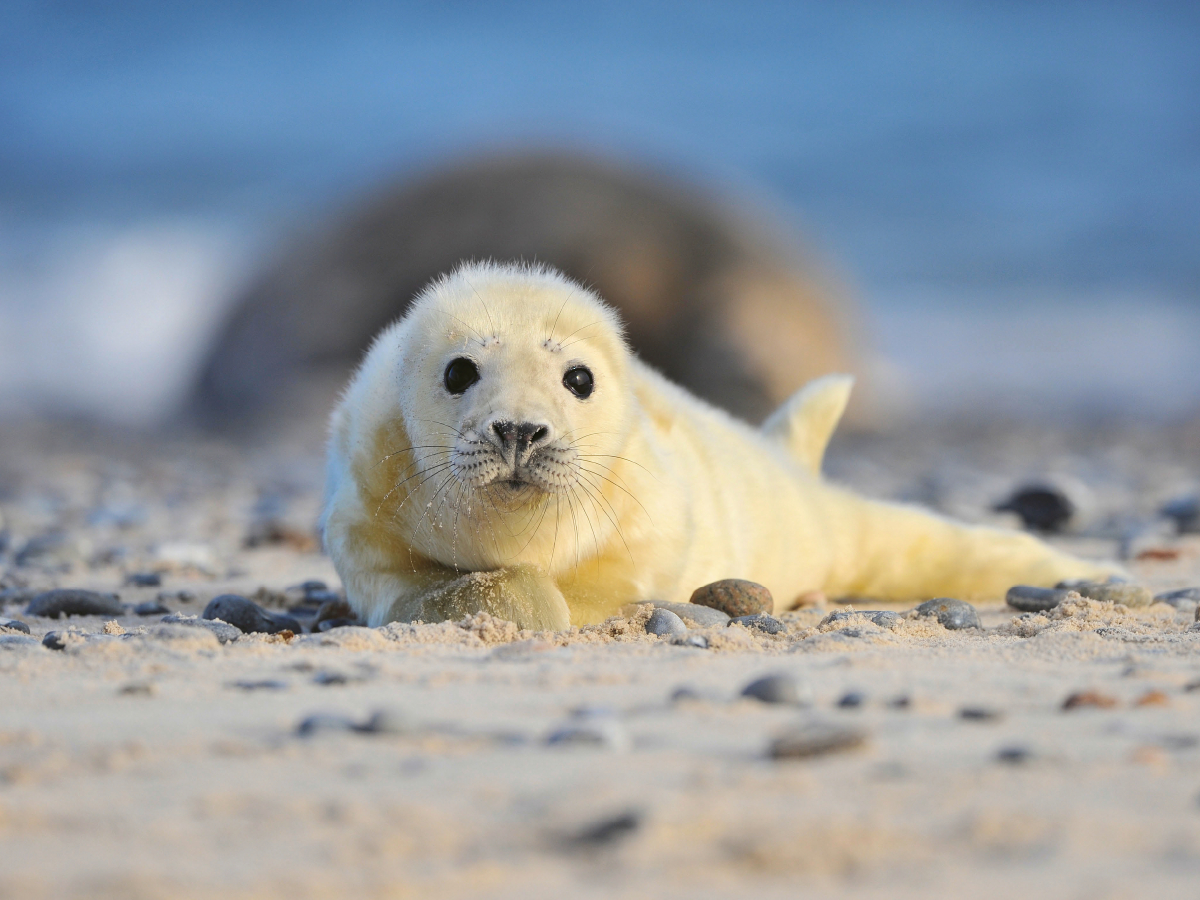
x,y
805,423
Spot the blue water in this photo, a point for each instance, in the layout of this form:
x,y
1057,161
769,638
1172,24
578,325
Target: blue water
x,y
948,156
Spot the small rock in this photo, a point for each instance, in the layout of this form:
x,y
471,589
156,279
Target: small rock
x,y
953,614
1034,599
851,700
688,694
887,619
1153,698
1093,699
779,688
323,723
735,597
691,640
606,734
330,624
1184,512
1041,507
335,608
137,689
692,615
1014,756
1131,595
606,831
144,579
264,684
248,616
816,739
1185,600
225,633
73,602
761,621
665,623
53,640
979,714
334,679
151,608
14,624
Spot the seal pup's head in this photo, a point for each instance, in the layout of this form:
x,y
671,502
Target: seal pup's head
x,y
510,385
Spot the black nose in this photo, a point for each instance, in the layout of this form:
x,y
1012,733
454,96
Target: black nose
x,y
523,434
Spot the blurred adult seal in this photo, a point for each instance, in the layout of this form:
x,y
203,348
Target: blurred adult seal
x,y
500,450
720,298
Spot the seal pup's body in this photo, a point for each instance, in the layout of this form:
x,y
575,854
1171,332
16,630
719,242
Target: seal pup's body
x,y
501,450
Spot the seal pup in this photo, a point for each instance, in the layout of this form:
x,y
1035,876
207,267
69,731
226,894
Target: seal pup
x,y
718,295
500,449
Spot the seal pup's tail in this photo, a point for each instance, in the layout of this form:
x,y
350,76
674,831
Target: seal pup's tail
x,y
805,422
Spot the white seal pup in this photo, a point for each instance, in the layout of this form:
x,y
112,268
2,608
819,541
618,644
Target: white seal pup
x,y
500,449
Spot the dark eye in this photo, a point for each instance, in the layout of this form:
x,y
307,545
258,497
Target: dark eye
x,y
579,382
460,375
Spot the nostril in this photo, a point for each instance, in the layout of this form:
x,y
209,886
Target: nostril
x,y
506,431
540,434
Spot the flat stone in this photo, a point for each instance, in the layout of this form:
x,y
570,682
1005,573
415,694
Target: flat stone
x,y
954,615
323,723
735,597
980,714
144,579
665,623
14,624
887,619
816,739
1014,755
761,621
692,615
1027,598
777,688
263,684
1132,595
74,602
224,632
851,700
333,608
1185,600
248,616
1041,507
151,608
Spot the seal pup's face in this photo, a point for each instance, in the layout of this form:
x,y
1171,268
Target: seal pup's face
x,y
513,390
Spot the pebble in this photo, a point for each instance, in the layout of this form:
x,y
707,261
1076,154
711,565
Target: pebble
x,y
1093,699
53,640
248,616
1014,756
953,614
151,608
10,641
14,624
735,597
882,618
979,714
851,700
334,608
266,684
1185,599
330,624
1132,595
1185,512
605,734
761,621
1041,507
816,739
224,632
691,640
607,831
144,579
693,615
887,619
73,602
665,623
323,722
1034,599
779,688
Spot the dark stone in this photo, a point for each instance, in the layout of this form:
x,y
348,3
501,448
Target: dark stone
x,y
266,684
1184,599
734,597
817,739
979,714
224,632
664,623
1041,507
851,700
330,624
323,722
1034,599
606,832
14,624
1014,756
335,608
761,621
72,602
248,616
1185,512
151,608
1132,595
330,679
144,579
54,641
953,614
779,688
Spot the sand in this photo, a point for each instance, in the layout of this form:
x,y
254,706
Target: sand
x,y
146,760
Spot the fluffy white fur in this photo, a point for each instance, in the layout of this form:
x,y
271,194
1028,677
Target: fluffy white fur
x,y
641,491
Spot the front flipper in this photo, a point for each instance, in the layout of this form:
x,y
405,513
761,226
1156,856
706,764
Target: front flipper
x,y
522,594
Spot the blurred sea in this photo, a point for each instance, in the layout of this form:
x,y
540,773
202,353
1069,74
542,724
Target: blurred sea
x,y
1012,188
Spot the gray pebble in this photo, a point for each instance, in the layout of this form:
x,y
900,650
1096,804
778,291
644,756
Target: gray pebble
x,y
816,739
224,632
248,616
144,579
979,714
266,684
887,619
151,608
323,723
665,623
1034,599
53,640
606,734
692,615
761,621
73,602
1132,595
1041,507
1184,600
1014,756
953,614
778,688
852,700
606,831
735,596
12,641
334,608
14,624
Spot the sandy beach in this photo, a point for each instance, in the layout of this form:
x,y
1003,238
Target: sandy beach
x,y
149,759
